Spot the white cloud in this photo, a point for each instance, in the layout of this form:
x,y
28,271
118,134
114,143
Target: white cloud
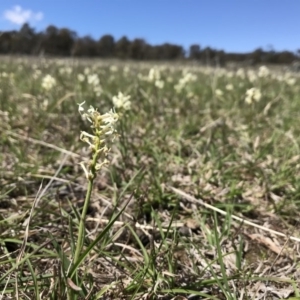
x,y
18,15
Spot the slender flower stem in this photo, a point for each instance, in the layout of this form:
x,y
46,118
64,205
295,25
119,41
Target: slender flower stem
x,y
81,232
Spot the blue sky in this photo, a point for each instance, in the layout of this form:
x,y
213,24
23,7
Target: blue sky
x,y
232,25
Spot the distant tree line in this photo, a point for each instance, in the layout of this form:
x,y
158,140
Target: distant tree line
x,y
55,41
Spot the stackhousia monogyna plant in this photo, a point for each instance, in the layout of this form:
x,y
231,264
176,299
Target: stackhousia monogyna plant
x,y
103,132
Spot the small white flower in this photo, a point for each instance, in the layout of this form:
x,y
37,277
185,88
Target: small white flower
x,y
45,103
178,87
290,81
36,74
84,169
159,83
80,108
184,81
251,75
229,74
98,90
86,116
113,68
154,74
263,71
68,70
121,101
229,87
126,70
85,134
100,165
188,77
93,79
80,77
109,120
219,93
48,82
91,110
252,94
241,73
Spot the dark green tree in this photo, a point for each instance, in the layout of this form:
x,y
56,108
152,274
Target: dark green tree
x,y
24,41
106,46
137,49
122,48
194,52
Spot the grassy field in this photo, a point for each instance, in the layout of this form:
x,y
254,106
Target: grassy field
x,y
197,196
